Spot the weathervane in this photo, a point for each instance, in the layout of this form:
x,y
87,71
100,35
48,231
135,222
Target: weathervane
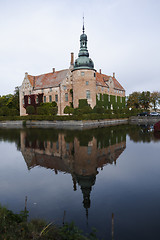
x,y
83,23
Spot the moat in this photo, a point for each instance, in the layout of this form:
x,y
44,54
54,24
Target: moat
x,y
85,176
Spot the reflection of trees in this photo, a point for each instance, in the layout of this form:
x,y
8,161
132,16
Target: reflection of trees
x,y
10,135
142,133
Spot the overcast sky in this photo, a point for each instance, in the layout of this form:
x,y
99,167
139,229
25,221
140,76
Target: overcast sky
x,y
123,37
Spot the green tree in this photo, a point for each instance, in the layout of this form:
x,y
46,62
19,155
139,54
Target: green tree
x,y
145,99
134,100
155,98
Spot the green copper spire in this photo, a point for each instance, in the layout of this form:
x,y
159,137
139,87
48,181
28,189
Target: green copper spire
x,y
83,60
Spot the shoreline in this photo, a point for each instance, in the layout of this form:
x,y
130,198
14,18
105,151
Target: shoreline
x,y
74,124
71,124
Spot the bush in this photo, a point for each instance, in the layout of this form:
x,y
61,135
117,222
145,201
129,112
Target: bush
x,y
30,110
83,103
47,109
68,110
98,109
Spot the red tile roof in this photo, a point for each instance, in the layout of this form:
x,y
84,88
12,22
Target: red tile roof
x,y
54,79
48,80
102,80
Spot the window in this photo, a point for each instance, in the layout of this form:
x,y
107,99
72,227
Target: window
x,y
87,82
29,92
29,100
94,74
36,100
42,90
108,89
56,98
98,96
50,89
50,98
64,87
88,94
102,88
44,99
89,150
66,97
82,73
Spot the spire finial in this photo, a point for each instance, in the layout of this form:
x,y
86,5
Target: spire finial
x,y
83,23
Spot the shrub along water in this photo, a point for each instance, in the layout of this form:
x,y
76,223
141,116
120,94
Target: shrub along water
x,y
15,226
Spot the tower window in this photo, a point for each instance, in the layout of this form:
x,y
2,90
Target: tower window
x,y
94,74
88,94
87,82
82,73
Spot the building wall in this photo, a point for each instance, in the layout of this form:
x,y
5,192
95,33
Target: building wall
x,y
84,80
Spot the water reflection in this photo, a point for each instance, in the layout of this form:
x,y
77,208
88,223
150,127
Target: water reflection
x,y
78,153
92,183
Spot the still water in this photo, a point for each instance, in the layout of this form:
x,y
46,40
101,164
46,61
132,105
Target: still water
x,y
85,176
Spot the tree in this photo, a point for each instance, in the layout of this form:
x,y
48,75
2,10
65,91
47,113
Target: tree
x,y
145,99
155,98
134,100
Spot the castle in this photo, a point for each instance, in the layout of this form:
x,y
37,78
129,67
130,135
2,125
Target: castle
x,y
68,86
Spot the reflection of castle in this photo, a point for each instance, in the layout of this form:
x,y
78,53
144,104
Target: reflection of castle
x,y
80,161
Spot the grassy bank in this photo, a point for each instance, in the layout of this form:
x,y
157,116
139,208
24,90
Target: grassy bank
x,y
16,227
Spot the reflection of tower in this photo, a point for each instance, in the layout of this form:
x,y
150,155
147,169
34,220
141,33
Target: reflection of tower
x,y
86,183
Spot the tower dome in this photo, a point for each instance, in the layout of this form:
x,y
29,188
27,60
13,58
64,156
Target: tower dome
x,y
83,60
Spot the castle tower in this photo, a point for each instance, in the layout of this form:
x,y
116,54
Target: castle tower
x,y
84,76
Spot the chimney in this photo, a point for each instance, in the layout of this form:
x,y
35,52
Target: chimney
x,y
114,75
100,71
53,70
72,58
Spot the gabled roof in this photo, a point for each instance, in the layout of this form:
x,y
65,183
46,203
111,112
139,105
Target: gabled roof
x,y
103,80
48,80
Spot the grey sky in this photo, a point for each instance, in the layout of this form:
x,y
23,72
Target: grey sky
x,y
123,37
